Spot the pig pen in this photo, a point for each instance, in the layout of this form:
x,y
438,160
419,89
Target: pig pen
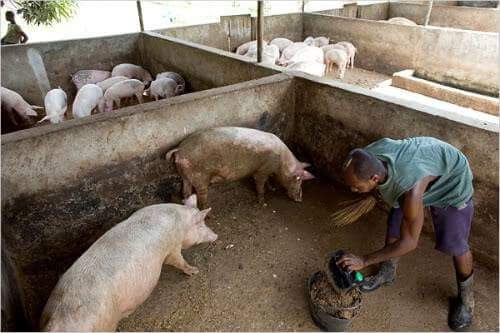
x,y
64,185
264,253
33,69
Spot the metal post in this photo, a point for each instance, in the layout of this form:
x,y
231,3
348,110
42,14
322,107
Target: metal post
x,y
260,19
139,12
303,5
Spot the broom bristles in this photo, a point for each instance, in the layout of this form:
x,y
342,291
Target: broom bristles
x,y
351,210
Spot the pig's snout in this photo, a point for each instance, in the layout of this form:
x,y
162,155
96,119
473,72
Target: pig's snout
x,y
210,236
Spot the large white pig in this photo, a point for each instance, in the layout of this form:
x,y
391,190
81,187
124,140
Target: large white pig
x,y
281,43
121,269
87,76
86,100
56,104
106,84
132,72
12,103
290,51
122,89
163,88
308,54
176,77
310,67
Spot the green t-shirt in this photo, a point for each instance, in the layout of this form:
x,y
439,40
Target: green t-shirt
x,y
409,160
13,35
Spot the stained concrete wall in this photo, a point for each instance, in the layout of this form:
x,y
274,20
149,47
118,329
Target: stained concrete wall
x,y
330,121
479,19
203,67
462,58
378,11
286,25
64,185
56,61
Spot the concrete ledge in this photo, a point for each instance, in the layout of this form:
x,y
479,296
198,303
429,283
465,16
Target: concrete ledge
x,y
406,80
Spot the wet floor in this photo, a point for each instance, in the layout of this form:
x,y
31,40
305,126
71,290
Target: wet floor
x,y
253,278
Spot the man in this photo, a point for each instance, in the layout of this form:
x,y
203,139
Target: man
x,y
15,34
409,175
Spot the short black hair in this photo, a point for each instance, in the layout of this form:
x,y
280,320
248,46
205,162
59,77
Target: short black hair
x,y
364,164
9,13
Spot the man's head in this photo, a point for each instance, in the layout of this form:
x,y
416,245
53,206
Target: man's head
x,y
9,16
363,171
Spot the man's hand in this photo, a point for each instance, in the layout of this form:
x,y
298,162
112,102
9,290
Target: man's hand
x,y
351,262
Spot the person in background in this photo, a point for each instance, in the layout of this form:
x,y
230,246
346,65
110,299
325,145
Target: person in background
x,y
15,34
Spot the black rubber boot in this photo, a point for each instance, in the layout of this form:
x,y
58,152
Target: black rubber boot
x,y
463,311
385,276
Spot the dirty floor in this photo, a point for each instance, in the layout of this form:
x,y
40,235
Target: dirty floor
x,y
253,278
360,77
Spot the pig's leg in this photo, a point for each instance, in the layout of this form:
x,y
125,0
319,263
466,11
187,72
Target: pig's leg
x,y
202,194
352,60
187,188
118,101
260,183
139,97
177,260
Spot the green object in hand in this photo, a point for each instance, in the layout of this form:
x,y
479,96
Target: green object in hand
x,y
358,277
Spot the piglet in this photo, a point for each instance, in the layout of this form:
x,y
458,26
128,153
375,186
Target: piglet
x,y
121,269
87,76
176,77
14,104
56,104
281,43
122,89
163,88
336,57
232,153
243,48
132,72
106,84
351,52
86,100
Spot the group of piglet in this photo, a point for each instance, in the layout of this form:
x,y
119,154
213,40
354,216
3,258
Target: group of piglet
x,y
102,90
96,90
121,269
314,56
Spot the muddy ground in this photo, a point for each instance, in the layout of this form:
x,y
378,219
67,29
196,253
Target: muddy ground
x,y
254,277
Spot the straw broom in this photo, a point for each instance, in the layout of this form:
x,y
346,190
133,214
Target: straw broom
x,y
351,210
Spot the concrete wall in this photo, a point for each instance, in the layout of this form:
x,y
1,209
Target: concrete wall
x,y
202,67
330,121
286,25
378,11
56,61
479,19
64,185
466,59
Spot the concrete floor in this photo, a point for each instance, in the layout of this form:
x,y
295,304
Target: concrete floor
x,y
253,278
360,77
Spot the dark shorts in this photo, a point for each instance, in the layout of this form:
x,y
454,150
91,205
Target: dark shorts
x,y
451,227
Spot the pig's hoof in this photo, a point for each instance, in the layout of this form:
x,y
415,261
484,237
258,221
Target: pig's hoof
x,y
191,270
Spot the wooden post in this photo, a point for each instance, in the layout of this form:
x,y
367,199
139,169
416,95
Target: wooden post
x,y
260,19
428,15
139,12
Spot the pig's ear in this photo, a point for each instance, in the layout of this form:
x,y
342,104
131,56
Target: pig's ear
x,y
306,175
191,201
305,165
30,112
200,216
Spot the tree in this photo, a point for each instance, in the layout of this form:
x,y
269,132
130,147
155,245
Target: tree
x,y
45,12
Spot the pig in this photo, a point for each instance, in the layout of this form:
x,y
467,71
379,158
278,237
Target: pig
x,y
309,67
106,84
281,43
176,77
56,104
309,40
400,20
86,100
351,52
329,47
132,72
163,88
121,269
321,41
307,53
243,48
122,89
290,51
14,104
231,153
270,54
87,76
337,57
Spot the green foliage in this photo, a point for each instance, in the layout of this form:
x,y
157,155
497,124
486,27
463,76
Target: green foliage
x,y
45,12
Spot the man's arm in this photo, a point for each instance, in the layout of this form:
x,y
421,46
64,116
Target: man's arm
x,y
411,227
23,35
